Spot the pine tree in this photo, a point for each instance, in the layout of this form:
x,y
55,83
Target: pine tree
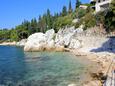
x,y
43,23
33,25
77,3
49,20
64,11
70,8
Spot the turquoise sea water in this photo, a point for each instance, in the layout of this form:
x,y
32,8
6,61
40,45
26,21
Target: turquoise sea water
x,y
19,68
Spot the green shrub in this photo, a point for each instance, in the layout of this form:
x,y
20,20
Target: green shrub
x,y
81,13
89,20
63,21
107,19
77,25
14,36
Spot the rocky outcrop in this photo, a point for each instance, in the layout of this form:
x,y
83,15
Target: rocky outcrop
x,y
65,37
40,41
69,38
53,41
75,44
50,43
35,42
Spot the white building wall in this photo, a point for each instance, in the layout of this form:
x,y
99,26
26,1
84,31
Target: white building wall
x,y
102,4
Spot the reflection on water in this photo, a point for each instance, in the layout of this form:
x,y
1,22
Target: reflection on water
x,y
38,68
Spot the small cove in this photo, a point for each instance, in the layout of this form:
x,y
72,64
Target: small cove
x,y
19,68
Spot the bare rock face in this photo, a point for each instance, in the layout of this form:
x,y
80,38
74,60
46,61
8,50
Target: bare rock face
x,y
50,45
50,34
64,36
35,42
40,41
74,44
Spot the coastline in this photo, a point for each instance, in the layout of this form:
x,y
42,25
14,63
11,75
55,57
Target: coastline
x,y
103,59
106,62
9,43
99,49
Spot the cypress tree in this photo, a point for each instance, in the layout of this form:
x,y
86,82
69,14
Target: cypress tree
x,y
77,3
64,11
49,19
33,26
70,8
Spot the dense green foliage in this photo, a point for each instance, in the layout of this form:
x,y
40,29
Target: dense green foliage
x,y
89,20
48,21
64,11
62,22
4,34
107,18
78,3
70,10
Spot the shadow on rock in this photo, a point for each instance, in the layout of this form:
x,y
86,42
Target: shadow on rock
x,y
108,46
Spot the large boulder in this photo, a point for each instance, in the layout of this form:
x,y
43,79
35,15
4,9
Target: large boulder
x,y
63,37
50,46
40,41
36,42
50,34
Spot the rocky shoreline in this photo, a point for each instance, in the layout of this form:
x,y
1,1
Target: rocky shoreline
x,y
8,43
100,49
106,61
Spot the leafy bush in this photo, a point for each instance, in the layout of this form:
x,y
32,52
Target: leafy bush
x,y
89,20
77,25
81,13
14,35
106,18
63,21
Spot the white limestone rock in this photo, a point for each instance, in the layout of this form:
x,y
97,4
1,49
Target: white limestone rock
x,y
50,34
35,42
50,45
74,44
63,37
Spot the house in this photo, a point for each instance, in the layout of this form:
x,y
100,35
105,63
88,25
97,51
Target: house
x,y
101,5
83,6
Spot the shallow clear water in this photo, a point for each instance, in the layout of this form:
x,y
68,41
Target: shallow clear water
x,y
18,68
